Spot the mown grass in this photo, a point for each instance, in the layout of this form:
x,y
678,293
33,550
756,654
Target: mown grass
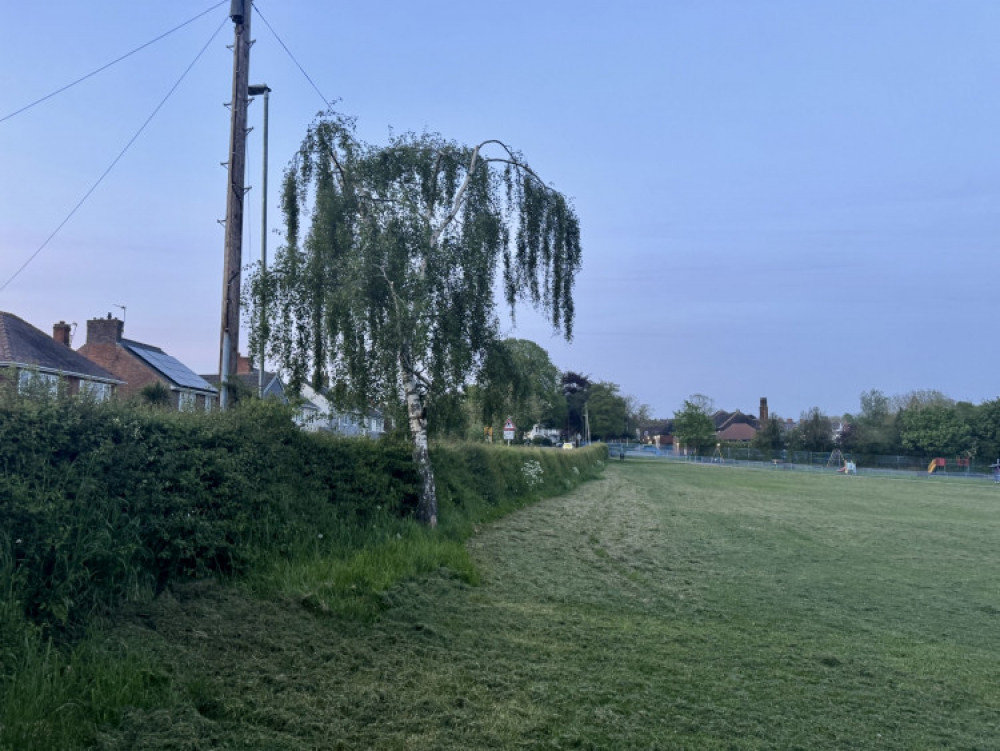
x,y
664,606
334,552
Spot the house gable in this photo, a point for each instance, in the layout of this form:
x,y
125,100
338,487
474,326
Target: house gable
x,y
142,365
28,348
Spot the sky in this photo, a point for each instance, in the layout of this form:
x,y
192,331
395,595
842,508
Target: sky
x,y
782,199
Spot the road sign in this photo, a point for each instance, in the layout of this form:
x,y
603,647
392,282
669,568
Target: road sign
x,y
508,430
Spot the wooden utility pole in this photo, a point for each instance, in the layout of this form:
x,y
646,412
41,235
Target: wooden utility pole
x,y
230,339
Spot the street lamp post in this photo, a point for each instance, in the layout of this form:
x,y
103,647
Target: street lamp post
x,y
256,90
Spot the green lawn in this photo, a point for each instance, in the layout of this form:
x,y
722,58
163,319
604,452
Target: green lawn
x,y
663,606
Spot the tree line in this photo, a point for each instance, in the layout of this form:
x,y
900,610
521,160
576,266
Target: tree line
x,y
918,423
519,381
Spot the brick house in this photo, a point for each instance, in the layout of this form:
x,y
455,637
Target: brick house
x,y
735,426
44,361
141,365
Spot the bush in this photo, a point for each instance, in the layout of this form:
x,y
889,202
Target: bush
x,y
101,503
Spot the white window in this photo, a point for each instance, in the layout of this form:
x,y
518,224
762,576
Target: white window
x,y
186,400
31,381
209,402
97,391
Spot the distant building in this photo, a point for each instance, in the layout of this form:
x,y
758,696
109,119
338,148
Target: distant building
x,y
249,377
140,365
370,423
38,360
735,426
538,431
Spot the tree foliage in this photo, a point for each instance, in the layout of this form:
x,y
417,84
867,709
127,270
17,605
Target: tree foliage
x,y
389,292
771,436
935,429
813,433
693,426
519,380
576,391
607,410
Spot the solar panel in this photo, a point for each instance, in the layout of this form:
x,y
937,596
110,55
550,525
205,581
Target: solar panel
x,y
171,367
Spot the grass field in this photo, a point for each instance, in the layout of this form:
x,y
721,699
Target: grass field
x,y
663,606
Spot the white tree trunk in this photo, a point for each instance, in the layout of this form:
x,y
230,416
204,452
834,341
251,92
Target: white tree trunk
x,y
427,509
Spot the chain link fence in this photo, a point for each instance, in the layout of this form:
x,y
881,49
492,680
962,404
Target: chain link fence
x,y
818,461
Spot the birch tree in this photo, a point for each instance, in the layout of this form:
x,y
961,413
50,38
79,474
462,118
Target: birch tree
x,y
388,294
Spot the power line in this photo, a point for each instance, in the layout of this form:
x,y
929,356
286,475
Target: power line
x,y
326,102
108,65
116,159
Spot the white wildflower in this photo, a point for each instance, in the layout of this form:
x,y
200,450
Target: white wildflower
x,y
532,471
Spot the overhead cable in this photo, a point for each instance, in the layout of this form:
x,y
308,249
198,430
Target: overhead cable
x,y
326,102
117,158
108,65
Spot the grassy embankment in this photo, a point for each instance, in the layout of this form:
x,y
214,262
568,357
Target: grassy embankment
x,y
664,606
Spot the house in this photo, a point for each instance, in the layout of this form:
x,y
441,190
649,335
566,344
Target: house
x,y
735,426
141,365
539,431
348,423
306,413
42,360
737,432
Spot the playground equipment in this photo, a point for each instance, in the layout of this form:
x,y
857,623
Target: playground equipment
x,y
842,463
935,463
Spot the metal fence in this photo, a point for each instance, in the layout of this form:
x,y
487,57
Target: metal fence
x,y
812,461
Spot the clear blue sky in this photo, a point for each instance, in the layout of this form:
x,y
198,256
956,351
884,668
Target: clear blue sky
x,y
798,200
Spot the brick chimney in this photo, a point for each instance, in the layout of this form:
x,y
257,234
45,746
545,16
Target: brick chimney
x,y
763,412
60,332
243,364
104,330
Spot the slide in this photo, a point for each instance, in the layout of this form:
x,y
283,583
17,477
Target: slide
x,y
932,466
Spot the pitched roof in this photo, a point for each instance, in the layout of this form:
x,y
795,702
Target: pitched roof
x,y
272,386
23,344
251,380
170,367
723,419
738,431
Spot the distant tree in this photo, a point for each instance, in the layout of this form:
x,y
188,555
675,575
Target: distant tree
x,y
873,430
693,426
519,380
813,433
986,430
875,408
935,429
576,389
704,403
391,294
920,398
639,414
771,436
607,410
